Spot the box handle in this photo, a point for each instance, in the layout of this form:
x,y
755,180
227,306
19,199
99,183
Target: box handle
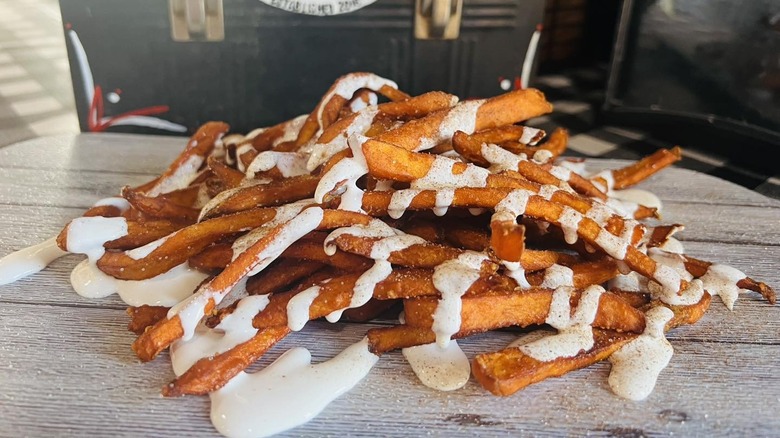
x,y
437,19
196,20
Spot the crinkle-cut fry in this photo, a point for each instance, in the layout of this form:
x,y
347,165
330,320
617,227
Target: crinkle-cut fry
x,y
272,194
139,233
556,143
644,168
698,268
162,334
229,176
200,146
211,373
376,203
160,207
510,370
470,145
144,316
584,273
502,110
181,245
499,309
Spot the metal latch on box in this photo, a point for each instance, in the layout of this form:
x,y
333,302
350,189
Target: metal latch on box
x,y
437,19
196,20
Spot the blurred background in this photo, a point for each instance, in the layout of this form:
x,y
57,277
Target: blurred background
x,y
626,76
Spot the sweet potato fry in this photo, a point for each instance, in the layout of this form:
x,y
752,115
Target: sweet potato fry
x,y
510,370
181,172
160,207
231,178
211,373
181,245
144,316
495,310
498,111
264,195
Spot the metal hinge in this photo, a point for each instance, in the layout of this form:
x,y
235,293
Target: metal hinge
x,y
196,20
437,19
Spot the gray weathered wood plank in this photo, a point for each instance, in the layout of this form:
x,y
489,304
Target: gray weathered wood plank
x,y
72,374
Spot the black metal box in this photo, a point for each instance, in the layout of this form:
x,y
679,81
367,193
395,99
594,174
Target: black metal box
x,y
135,69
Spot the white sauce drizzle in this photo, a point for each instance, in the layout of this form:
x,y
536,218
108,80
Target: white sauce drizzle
x,y
289,392
234,329
319,153
298,308
461,117
191,310
28,261
575,333
444,198
291,130
440,175
557,276
452,279
346,87
391,240
400,202
570,222
673,245
443,369
500,158
542,156
637,365
346,173
224,195
241,150
181,177
721,280
289,163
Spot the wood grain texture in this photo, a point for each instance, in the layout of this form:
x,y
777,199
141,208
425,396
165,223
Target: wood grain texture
x,y
66,368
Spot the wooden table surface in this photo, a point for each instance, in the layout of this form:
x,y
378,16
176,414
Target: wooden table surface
x,y
66,367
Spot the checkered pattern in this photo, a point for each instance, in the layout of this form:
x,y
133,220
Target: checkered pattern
x,y
574,111
36,97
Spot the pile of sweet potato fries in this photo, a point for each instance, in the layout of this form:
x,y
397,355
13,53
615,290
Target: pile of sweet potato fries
x,y
380,200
